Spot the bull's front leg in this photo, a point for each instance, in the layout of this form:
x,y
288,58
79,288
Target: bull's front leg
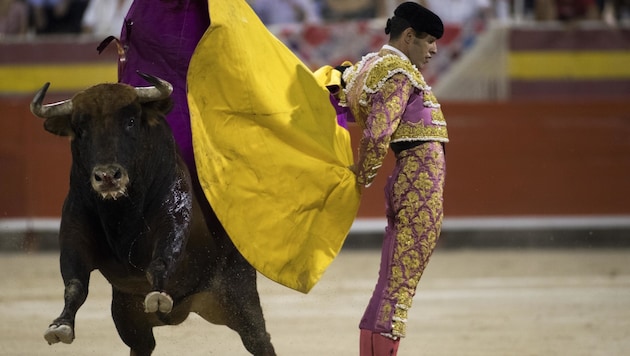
x,y
172,234
76,277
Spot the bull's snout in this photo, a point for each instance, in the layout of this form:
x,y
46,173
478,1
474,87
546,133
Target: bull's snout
x,y
110,181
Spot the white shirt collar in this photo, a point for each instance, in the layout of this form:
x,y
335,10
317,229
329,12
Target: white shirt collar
x,y
395,50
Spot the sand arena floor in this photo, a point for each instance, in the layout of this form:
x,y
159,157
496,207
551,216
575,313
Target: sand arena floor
x,y
470,302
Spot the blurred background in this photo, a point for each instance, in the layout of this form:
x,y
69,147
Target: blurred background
x,y
536,94
533,255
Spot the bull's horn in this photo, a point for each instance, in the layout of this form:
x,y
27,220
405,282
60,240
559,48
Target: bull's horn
x,y
45,111
161,89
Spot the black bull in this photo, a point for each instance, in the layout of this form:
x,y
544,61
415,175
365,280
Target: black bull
x,y
131,213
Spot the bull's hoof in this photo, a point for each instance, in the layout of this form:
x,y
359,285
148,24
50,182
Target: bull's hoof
x,y
155,301
56,333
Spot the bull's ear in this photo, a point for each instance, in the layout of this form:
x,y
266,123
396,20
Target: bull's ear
x,y
161,107
164,106
59,125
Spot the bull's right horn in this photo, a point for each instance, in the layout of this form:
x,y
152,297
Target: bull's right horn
x,y
161,89
50,110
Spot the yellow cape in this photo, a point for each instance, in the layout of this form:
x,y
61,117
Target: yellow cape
x,y
270,156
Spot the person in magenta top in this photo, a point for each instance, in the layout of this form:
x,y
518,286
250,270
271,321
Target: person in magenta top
x,y
159,38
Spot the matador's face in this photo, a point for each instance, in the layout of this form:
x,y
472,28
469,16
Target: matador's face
x,y
421,49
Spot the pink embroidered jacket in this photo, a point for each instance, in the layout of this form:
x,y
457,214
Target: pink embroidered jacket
x,y
391,102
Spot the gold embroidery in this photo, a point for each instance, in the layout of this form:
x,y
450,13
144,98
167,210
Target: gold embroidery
x,y
399,322
408,133
389,65
377,79
379,124
386,312
419,190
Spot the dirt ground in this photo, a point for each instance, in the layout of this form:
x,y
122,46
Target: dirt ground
x,y
470,302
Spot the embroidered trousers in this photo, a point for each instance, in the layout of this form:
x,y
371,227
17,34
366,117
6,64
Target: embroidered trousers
x,y
414,209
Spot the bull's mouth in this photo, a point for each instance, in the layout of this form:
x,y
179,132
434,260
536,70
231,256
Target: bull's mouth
x,y
113,194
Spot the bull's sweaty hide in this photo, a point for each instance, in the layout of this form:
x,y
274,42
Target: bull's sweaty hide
x,y
271,158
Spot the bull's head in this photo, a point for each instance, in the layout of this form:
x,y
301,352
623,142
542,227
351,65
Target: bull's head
x,y
109,125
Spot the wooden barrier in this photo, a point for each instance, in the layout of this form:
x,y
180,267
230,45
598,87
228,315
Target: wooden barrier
x,y
504,159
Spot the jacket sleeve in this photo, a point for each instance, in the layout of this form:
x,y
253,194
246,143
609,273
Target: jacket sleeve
x,y
386,108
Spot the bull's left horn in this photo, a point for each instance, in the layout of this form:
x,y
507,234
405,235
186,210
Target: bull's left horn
x,y
161,89
45,111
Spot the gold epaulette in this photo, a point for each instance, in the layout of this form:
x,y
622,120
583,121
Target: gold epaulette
x,y
388,66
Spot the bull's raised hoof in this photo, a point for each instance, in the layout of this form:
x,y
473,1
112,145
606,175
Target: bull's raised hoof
x,y
59,333
132,213
155,301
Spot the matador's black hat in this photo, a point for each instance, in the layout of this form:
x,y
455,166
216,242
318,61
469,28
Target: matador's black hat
x,y
420,18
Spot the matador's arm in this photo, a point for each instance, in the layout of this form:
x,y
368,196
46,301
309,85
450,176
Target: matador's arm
x,y
386,108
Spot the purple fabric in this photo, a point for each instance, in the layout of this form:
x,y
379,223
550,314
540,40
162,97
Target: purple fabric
x,y
414,207
416,111
344,115
159,38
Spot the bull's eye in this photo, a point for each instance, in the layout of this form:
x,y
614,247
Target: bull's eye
x,y
79,123
131,122
78,131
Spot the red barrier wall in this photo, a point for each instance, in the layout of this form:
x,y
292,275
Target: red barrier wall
x,y
35,164
538,158
504,159
531,158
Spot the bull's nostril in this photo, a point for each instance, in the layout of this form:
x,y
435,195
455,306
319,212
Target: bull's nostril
x,y
109,175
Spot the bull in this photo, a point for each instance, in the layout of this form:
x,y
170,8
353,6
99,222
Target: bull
x,y
133,213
